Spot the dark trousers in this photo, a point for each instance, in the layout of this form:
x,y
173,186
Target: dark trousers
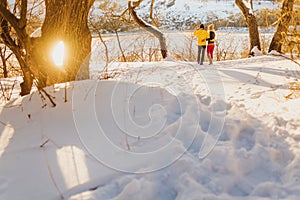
x,y
201,52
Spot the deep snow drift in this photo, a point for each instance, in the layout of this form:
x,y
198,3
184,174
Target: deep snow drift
x,y
165,130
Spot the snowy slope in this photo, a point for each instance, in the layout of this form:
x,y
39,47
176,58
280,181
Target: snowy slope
x,y
200,8
176,14
166,130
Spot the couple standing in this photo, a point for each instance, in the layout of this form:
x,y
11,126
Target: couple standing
x,y
203,37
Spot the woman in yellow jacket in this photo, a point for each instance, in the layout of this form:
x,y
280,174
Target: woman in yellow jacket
x,y
202,35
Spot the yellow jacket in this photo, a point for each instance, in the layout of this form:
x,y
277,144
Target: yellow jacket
x,y
202,36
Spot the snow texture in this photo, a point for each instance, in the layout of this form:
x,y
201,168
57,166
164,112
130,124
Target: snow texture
x,y
158,138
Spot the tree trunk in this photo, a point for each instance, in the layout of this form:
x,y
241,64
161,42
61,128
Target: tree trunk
x,y
253,32
251,23
282,26
17,49
65,20
158,34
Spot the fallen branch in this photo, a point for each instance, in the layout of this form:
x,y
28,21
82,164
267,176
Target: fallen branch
x,y
48,95
42,145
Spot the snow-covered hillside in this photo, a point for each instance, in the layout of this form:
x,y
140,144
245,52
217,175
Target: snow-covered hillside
x,y
163,130
179,13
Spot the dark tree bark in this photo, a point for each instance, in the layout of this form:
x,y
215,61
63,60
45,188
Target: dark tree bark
x,y
251,23
4,61
8,20
158,34
282,26
65,20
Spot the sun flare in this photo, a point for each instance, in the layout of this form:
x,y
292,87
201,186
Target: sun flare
x,y
58,54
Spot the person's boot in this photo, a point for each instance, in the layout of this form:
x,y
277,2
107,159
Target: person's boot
x,y
210,61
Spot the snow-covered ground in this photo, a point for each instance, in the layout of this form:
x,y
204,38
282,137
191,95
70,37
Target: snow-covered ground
x,y
159,130
162,130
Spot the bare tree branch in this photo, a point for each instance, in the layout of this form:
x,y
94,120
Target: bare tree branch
x,y
105,46
123,13
151,13
13,21
23,18
5,30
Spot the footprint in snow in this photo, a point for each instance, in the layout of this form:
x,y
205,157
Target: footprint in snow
x,y
248,91
256,95
245,139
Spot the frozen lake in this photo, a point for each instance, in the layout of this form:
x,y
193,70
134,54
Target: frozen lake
x,y
182,46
